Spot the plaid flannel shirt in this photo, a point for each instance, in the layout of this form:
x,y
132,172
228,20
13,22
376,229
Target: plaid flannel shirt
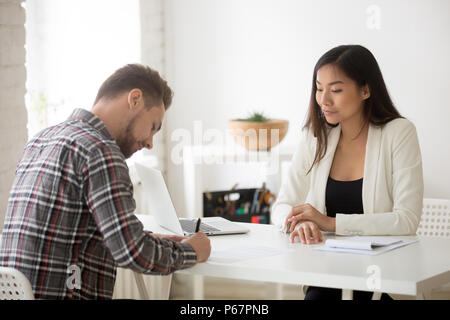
x,y
71,210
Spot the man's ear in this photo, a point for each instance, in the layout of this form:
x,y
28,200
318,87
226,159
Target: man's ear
x,y
135,98
365,92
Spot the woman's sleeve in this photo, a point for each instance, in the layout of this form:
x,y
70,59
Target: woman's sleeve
x,y
295,186
407,193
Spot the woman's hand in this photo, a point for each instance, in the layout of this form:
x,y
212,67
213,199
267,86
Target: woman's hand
x,y
308,232
306,212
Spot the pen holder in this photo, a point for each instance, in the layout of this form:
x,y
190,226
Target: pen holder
x,y
239,205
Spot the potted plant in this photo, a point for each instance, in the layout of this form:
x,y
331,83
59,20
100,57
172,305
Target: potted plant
x,y
257,132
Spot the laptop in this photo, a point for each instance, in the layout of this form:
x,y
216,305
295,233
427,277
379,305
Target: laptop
x,y
162,209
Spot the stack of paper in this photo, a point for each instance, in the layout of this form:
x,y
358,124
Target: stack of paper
x,y
365,245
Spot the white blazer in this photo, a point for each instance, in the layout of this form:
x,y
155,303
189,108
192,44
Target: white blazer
x,y
392,189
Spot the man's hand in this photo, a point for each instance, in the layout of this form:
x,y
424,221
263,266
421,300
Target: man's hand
x,y
170,237
306,212
201,244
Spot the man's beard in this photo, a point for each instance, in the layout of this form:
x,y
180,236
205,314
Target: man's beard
x,y
127,141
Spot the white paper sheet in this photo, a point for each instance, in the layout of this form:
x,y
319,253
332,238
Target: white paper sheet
x,y
362,243
365,245
240,253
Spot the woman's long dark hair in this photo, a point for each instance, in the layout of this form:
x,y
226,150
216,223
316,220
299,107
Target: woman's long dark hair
x,y
360,65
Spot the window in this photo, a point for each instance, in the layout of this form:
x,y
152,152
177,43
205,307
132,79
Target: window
x,y
72,47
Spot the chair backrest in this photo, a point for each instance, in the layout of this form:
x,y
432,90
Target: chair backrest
x,y
435,220
14,285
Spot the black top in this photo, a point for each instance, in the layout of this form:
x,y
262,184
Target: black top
x,y
343,197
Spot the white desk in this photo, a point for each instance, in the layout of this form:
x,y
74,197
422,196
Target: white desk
x,y
411,270
194,160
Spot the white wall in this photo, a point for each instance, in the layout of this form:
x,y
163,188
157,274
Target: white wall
x,y
73,46
13,119
226,58
153,54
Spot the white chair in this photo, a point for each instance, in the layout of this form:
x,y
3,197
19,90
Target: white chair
x,y
435,220
14,285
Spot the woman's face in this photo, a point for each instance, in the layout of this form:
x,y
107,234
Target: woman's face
x,y
339,97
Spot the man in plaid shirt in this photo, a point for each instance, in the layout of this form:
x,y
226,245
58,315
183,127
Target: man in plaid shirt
x,y
71,205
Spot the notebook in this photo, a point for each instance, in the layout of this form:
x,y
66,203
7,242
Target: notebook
x,y
162,209
365,245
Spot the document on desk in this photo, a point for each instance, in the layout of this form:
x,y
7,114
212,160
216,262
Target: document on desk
x,y
365,245
240,253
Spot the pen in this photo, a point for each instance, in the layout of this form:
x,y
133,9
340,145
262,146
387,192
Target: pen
x,y
197,226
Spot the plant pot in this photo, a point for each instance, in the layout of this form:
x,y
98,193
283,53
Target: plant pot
x,y
258,136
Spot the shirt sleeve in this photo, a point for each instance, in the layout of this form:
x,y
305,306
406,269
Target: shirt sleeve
x,y
295,186
108,192
407,192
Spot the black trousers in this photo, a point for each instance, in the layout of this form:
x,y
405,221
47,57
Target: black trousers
x,y
318,293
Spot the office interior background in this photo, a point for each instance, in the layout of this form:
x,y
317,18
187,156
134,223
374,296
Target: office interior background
x,y
223,59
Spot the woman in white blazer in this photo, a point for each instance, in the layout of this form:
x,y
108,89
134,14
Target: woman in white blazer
x,y
358,168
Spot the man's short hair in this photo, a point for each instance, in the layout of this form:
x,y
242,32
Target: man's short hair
x,y
137,76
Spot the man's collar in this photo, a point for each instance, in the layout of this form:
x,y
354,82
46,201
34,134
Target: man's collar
x,y
91,119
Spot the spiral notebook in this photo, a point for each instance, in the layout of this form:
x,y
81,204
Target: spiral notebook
x,y
365,245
